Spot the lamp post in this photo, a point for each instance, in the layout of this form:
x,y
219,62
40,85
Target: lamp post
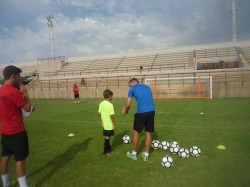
x,y
51,25
234,28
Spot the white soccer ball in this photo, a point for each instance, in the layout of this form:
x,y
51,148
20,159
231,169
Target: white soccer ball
x,y
174,147
155,144
126,139
167,162
195,151
183,153
175,143
165,145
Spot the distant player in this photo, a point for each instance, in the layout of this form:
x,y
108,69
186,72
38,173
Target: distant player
x,y
106,114
144,116
76,93
140,68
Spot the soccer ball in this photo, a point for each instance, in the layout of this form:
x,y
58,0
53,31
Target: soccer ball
x,y
195,151
126,139
167,162
174,147
160,146
183,153
176,143
155,144
165,145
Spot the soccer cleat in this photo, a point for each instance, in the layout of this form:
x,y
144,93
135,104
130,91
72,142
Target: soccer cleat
x,y
106,154
145,158
130,155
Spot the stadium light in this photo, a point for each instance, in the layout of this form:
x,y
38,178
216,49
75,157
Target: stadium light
x,y
51,25
234,28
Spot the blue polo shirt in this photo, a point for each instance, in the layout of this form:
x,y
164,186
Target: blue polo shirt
x,y
144,97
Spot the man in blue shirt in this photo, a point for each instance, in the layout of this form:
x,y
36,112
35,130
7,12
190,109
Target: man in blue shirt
x,y
144,116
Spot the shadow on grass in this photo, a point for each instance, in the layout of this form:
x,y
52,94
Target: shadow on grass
x,y
59,161
118,139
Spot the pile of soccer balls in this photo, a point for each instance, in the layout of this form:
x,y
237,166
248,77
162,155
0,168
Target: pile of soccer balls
x,y
173,147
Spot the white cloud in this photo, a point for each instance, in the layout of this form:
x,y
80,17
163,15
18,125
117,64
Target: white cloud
x,y
82,3
28,6
84,27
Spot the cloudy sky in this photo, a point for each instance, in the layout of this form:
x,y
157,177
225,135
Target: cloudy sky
x,y
88,27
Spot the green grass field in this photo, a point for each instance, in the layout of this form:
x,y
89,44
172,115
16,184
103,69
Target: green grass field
x,y
57,160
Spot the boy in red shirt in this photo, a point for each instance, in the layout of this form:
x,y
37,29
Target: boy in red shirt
x,y
76,93
13,98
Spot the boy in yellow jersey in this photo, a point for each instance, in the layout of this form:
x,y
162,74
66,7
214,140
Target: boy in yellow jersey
x,y
106,114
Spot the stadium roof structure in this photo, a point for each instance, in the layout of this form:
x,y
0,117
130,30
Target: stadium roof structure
x,y
24,79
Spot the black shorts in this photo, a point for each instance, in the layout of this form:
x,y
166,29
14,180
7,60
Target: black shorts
x,y
108,132
144,120
16,144
76,96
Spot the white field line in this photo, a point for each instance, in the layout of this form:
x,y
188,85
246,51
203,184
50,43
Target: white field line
x,y
156,125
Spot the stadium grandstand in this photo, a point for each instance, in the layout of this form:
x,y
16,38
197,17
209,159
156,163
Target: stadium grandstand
x,y
227,64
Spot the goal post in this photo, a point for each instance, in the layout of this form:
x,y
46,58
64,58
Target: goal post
x,y
181,87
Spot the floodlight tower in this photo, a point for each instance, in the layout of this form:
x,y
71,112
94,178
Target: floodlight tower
x,y
51,25
234,29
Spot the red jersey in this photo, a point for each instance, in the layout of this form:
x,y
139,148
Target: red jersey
x,y
75,89
11,102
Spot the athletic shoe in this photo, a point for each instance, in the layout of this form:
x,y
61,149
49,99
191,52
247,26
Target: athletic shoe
x,y
107,154
145,158
130,155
